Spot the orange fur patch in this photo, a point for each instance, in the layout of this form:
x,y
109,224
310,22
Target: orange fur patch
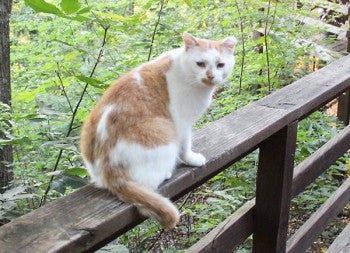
x,y
141,111
206,45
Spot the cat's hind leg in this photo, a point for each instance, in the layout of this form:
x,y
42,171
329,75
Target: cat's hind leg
x,y
148,166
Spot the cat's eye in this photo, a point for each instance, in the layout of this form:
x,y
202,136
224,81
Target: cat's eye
x,y
200,64
220,65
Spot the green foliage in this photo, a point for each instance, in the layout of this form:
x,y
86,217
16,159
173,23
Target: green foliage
x,y
66,8
65,53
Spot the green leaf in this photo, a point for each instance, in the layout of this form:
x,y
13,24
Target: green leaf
x,y
14,141
24,196
70,6
81,172
80,18
9,194
84,10
92,81
42,6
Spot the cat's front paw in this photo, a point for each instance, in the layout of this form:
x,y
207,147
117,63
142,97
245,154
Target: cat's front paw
x,y
194,159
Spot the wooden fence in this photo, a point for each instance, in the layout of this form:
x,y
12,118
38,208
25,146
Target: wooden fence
x,y
89,218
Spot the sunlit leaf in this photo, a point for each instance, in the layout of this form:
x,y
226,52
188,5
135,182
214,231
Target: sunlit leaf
x,y
42,6
70,6
85,10
91,81
81,172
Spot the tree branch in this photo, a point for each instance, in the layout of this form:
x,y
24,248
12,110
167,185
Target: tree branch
x,y
162,3
75,111
243,47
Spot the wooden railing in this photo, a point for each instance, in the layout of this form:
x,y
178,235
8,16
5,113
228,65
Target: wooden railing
x,y
89,218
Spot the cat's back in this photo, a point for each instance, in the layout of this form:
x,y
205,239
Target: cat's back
x,y
137,99
142,92
145,85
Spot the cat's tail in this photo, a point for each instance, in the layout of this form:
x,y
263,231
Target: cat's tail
x,y
148,202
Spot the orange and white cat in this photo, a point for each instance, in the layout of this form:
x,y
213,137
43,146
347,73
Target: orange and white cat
x,y
141,127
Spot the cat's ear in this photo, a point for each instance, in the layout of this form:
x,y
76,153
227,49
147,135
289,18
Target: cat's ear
x,y
230,43
189,40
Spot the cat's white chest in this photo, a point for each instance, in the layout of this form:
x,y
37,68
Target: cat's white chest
x,y
187,103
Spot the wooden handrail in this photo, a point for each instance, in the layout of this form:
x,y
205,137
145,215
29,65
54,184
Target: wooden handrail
x,y
89,218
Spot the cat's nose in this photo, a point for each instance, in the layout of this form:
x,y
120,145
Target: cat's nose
x,y
210,75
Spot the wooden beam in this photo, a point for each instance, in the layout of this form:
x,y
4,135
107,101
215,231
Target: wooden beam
x,y
312,167
233,231
305,235
273,191
337,7
342,243
339,31
343,111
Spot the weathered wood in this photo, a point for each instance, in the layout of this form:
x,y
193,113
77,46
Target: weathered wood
x,y
273,190
339,31
311,91
343,112
304,237
230,233
340,8
91,217
342,243
312,167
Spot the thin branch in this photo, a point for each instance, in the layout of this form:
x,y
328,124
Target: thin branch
x,y
75,111
162,3
63,88
100,55
243,47
185,200
156,239
266,46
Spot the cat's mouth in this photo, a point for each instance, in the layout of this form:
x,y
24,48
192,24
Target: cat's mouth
x,y
208,82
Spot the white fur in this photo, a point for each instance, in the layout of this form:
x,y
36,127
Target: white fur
x,y
94,171
102,130
137,78
147,166
189,96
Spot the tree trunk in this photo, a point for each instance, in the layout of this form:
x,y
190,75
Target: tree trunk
x,y
6,155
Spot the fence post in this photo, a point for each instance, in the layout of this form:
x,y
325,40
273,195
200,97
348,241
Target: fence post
x,y
343,112
273,191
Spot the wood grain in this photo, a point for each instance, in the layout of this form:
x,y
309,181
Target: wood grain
x,y
90,217
273,190
343,110
341,243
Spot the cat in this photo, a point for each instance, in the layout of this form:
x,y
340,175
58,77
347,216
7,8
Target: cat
x,y
141,126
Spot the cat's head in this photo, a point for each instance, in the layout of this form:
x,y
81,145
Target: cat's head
x,y
208,62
